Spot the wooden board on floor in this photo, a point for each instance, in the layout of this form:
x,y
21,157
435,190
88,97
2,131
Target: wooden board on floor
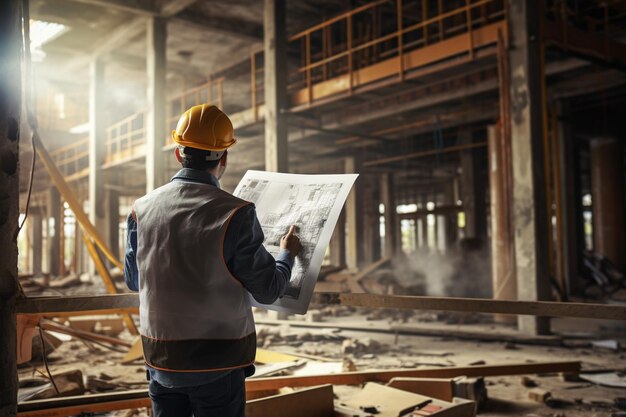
x,y
389,402
440,388
361,377
135,352
313,402
269,356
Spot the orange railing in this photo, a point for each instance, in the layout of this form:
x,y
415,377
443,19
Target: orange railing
x,y
126,138
72,160
365,40
210,92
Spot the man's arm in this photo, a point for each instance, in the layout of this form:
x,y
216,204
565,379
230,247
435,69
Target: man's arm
x,y
131,275
247,259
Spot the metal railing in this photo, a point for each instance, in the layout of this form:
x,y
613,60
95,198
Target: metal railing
x,y
126,138
366,40
210,92
72,159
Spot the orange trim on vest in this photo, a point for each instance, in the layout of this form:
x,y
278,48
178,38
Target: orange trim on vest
x,y
132,213
180,340
196,370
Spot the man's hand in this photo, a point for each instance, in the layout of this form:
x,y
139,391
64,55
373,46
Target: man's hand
x,y
291,242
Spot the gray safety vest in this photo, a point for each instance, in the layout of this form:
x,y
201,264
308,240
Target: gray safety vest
x,y
194,315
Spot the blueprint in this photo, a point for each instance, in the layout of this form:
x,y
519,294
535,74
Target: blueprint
x,y
311,202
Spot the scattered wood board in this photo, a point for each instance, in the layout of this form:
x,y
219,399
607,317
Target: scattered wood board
x,y
440,388
389,402
313,402
269,356
134,353
51,325
361,377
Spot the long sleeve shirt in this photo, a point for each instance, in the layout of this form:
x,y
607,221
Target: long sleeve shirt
x,y
264,277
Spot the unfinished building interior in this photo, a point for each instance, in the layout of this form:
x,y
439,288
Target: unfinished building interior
x,y
477,267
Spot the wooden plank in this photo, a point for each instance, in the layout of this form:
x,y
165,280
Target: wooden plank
x,y
81,334
269,356
75,410
135,352
91,304
440,388
58,305
390,402
314,402
424,329
476,305
56,406
361,377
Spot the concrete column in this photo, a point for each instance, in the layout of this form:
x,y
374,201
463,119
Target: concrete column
x,y
392,226
113,221
607,188
156,128
354,216
420,232
452,218
36,239
10,106
54,207
97,147
571,203
502,243
275,48
530,218
472,190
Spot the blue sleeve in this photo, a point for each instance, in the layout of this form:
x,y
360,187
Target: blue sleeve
x,y
131,275
263,276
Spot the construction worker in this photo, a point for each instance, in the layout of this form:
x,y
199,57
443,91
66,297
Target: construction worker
x,y
195,253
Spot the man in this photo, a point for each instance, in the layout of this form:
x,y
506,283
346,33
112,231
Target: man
x,y
195,253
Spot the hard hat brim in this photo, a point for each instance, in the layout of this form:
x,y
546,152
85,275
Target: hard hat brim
x,y
176,138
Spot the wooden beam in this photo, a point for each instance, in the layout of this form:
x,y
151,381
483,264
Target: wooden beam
x,y
58,305
476,305
361,377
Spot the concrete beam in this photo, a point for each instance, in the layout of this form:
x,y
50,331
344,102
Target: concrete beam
x,y
530,217
54,208
156,127
607,187
502,242
36,240
275,47
97,145
354,216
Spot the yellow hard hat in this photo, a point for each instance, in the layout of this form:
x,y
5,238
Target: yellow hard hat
x,y
204,127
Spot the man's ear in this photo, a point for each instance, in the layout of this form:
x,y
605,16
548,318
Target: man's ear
x,y
224,159
177,153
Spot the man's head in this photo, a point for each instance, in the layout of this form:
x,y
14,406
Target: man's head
x,y
211,161
203,135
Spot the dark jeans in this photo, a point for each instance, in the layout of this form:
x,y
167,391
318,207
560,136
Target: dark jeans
x,y
225,397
